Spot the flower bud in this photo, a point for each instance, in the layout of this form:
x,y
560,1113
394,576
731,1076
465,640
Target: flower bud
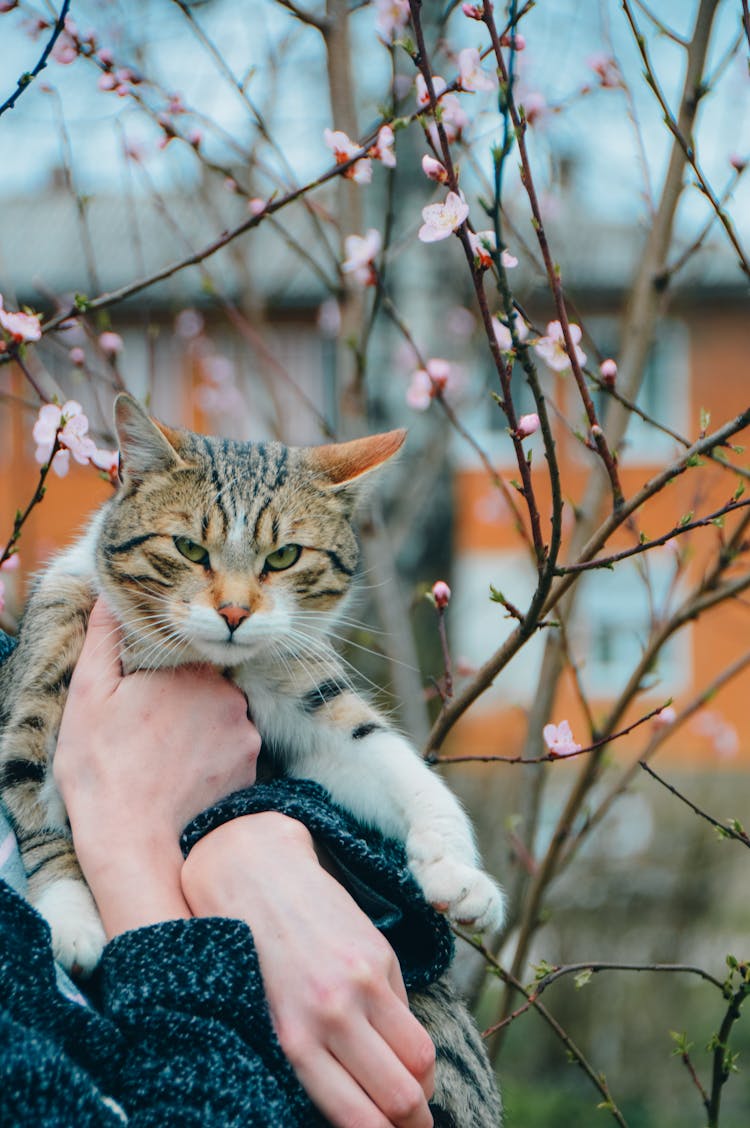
x,y
441,593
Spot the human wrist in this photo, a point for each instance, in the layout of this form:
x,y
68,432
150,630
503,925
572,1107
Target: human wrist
x,y
135,883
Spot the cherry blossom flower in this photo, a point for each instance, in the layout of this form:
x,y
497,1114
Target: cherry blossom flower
x,y
534,107
65,50
105,56
473,77
559,740
108,461
441,593
110,343
514,40
426,383
343,149
434,170
665,717
473,11
608,370
391,17
361,251
483,244
107,81
70,426
527,425
256,206
441,220
382,150
20,327
606,70
454,120
77,356
439,85
551,348
11,564
503,335
189,324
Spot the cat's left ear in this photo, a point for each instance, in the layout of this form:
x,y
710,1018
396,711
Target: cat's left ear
x,y
345,464
145,445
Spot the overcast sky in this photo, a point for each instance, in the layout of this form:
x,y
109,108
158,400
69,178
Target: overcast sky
x,y
595,132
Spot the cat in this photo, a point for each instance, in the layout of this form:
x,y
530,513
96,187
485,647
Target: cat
x,y
240,554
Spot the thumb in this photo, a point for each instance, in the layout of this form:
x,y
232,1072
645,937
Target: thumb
x,y
99,668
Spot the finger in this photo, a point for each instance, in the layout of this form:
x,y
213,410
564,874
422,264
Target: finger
x,y
337,1095
99,665
407,1038
371,1062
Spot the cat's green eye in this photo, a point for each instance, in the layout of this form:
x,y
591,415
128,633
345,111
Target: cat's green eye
x,y
282,558
190,550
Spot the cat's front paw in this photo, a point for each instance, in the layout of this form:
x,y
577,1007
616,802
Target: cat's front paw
x,y
466,894
77,934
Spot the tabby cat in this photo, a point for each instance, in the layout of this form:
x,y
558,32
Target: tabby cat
x,y
240,554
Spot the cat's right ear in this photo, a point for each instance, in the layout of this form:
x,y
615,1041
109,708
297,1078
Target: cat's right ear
x,y
145,446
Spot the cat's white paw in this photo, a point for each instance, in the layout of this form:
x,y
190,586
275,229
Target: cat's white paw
x,y
466,894
77,934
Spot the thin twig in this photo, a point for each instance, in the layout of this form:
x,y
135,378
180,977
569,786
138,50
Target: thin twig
x,y
28,77
725,829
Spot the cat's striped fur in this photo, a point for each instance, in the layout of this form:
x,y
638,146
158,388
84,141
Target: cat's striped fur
x,y
239,554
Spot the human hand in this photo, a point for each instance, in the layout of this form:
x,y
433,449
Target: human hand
x,y
137,758
333,983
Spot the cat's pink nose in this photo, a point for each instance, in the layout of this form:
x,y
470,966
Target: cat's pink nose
x,y
233,614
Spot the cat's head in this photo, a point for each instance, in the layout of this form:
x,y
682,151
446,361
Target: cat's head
x,y
224,551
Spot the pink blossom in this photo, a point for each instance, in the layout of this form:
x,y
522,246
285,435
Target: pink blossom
x,y
439,85
738,163
665,717
606,70
473,11
483,244
429,382
441,220
503,335
256,206
382,150
77,356
361,251
514,40
441,593
454,120
344,149
551,348
527,425
473,77
108,461
189,324
70,426
559,740
419,394
20,326
107,81
110,343
608,370
194,138
65,50
11,564
106,58
534,107
434,170
391,17
8,5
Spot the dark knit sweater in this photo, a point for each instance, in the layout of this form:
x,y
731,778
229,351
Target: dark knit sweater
x,y
179,1032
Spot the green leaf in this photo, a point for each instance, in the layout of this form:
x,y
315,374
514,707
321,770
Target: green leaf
x,y
582,978
695,460
82,303
705,419
738,492
496,596
685,519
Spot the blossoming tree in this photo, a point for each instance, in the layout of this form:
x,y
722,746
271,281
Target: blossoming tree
x,y
455,165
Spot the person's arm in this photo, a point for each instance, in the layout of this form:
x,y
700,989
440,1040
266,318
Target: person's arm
x,y
138,757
